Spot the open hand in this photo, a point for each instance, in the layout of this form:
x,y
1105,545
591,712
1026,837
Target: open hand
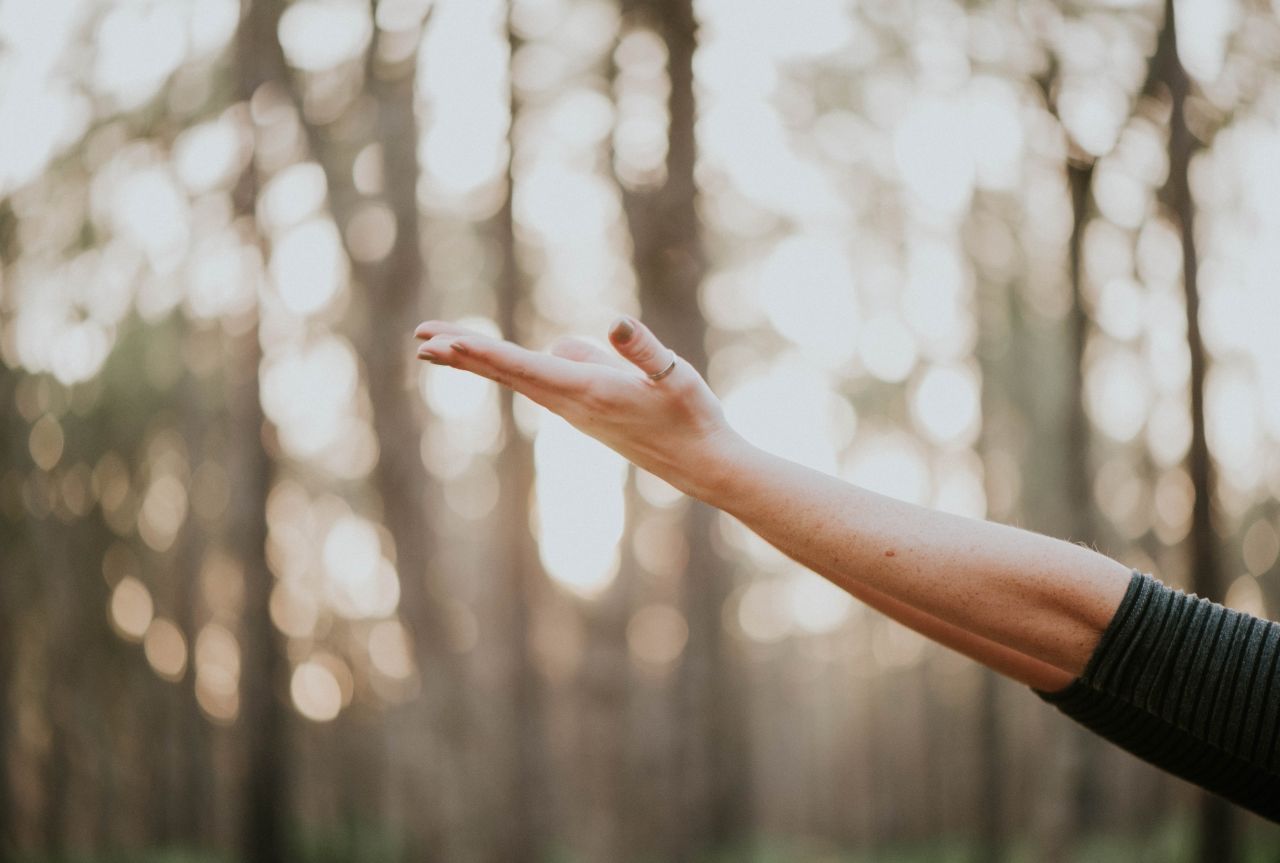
x,y
673,427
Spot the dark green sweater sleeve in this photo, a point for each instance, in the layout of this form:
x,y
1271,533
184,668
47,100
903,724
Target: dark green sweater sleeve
x,y
1189,686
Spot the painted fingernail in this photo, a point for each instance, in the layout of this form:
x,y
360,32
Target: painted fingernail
x,y
428,356
622,330
460,347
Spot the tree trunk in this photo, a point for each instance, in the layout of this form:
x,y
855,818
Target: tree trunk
x,y
521,818
11,551
1219,828
709,763
393,289
9,563
196,792
1073,772
263,664
991,823
1079,747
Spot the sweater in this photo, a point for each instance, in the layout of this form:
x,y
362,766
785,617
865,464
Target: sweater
x,y
1189,686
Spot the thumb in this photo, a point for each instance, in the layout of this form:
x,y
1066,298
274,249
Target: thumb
x,y
638,344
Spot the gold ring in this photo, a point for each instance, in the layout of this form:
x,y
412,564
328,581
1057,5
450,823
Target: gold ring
x,y
657,376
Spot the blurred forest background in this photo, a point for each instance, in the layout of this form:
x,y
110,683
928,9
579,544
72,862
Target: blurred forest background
x,y
271,590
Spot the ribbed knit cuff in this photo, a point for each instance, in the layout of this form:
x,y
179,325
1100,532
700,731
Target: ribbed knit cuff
x,y
1190,686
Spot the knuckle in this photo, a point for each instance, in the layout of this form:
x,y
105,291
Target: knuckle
x,y
601,397
646,352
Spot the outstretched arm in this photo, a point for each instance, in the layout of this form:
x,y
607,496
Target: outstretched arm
x,y
1028,605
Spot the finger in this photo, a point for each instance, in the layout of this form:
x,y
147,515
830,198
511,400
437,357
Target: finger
x,y
527,372
583,351
637,343
431,329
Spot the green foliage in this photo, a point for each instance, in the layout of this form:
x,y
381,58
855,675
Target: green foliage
x,y
1171,841
171,855
350,840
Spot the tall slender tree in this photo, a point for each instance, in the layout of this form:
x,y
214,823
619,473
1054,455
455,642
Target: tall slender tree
x,y
1219,828
263,665
10,550
1074,515
520,832
392,289
709,765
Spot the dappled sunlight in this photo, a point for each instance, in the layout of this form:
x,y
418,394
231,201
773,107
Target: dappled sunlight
x,y
138,46
945,405
360,581
166,649
934,160
389,649
656,636
326,556
308,267
208,155
307,391
217,663
817,606
762,613
292,195
887,349
890,463
641,89
580,509
806,288
320,34
39,111
465,144
131,608
1118,393
316,691
787,411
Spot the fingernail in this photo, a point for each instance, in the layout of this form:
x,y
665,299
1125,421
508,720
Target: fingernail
x,y
459,347
622,330
428,355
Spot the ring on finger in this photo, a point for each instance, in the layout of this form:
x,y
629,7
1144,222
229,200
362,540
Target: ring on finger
x,y
657,376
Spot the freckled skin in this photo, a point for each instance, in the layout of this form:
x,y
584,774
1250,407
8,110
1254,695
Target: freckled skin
x,y
1029,606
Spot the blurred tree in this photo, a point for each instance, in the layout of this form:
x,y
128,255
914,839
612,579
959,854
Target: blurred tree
x,y
519,827
709,766
1219,828
392,287
263,664
195,799
11,549
1072,513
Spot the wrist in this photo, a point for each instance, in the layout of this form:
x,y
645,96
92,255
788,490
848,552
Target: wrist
x,y
713,470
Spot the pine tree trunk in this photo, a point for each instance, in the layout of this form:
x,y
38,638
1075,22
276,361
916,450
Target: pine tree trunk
x,y
521,832
1219,828
10,561
11,550
263,665
393,289
709,764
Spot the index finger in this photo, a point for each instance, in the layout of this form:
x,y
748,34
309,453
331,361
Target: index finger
x,y
536,375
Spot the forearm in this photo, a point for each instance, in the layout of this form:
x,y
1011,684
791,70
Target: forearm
x,y
1042,597
1004,660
